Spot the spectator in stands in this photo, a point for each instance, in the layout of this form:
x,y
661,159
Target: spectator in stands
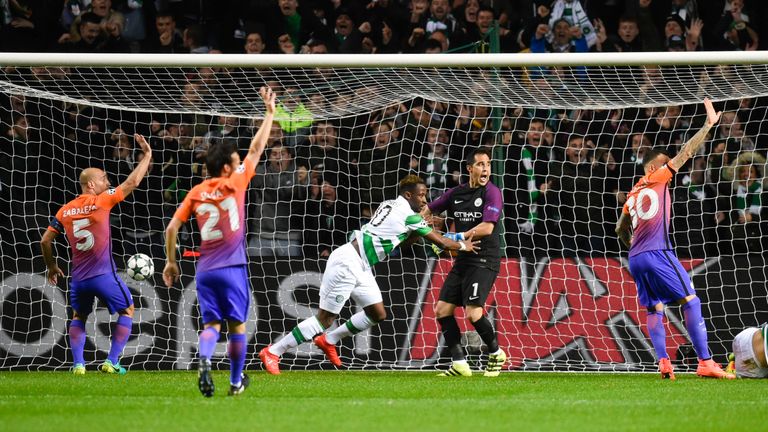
x,y
327,221
299,26
275,193
747,174
526,172
293,116
323,149
169,39
574,14
437,168
90,38
676,30
575,187
735,30
194,39
440,19
111,23
484,24
382,163
254,43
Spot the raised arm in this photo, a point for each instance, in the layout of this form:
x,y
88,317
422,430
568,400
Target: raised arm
x,y
259,141
46,244
133,180
692,146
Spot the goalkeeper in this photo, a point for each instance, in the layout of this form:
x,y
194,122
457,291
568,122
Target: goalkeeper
x,y
475,209
349,273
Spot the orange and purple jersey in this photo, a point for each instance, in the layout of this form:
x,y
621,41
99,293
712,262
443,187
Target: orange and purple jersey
x,y
218,205
649,206
85,222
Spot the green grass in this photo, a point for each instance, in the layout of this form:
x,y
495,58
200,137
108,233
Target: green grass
x,y
380,401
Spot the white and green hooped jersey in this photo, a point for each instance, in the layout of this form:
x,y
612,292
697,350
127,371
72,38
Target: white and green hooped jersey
x,y
392,223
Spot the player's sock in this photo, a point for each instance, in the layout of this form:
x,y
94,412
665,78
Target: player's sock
x,y
655,322
452,336
236,349
120,338
208,339
77,340
697,329
359,322
305,331
487,333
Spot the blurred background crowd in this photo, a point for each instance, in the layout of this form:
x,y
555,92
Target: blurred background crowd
x,y
564,173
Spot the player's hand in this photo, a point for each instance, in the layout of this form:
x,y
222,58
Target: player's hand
x,y
712,116
170,274
471,245
53,274
268,96
143,144
166,38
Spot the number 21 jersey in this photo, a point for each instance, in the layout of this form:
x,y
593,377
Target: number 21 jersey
x,y
219,208
649,206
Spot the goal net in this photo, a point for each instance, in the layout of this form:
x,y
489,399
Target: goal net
x,y
567,134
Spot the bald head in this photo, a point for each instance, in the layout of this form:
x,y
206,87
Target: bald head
x,y
93,180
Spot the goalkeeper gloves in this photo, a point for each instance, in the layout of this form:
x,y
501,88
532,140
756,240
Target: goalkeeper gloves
x,y
454,236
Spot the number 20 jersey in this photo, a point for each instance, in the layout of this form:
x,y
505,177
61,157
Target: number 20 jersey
x,y
218,205
649,206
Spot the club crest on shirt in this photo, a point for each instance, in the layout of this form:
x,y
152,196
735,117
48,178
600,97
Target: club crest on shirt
x,y
478,202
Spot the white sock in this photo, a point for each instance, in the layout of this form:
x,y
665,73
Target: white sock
x,y
355,325
303,332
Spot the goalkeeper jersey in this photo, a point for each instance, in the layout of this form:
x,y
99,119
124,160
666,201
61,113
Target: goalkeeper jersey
x,y
392,223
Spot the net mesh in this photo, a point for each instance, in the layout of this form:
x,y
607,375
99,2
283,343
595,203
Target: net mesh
x,y
567,142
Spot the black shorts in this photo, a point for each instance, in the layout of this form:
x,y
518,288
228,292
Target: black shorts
x,y
468,285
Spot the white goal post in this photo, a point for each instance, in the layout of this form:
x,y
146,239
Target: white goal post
x,y
567,132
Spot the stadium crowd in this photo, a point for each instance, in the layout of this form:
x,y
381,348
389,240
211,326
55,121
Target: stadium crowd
x,y
565,173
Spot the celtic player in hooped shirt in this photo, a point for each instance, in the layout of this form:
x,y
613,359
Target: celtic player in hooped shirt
x,y
349,274
659,276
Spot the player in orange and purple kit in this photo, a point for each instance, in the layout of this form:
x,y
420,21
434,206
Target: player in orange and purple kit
x,y
223,292
659,276
85,222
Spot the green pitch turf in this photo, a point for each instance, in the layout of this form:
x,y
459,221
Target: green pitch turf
x,y
380,401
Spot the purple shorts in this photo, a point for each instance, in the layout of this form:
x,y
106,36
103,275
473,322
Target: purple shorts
x,y
660,278
224,293
109,288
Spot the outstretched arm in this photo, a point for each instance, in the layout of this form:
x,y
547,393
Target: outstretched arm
x,y
624,229
694,144
133,180
259,141
46,244
443,242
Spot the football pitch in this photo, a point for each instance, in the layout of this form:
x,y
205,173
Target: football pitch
x,y
380,401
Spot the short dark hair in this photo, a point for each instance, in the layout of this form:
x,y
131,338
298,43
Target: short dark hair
x,y
652,154
219,155
90,17
409,183
478,151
